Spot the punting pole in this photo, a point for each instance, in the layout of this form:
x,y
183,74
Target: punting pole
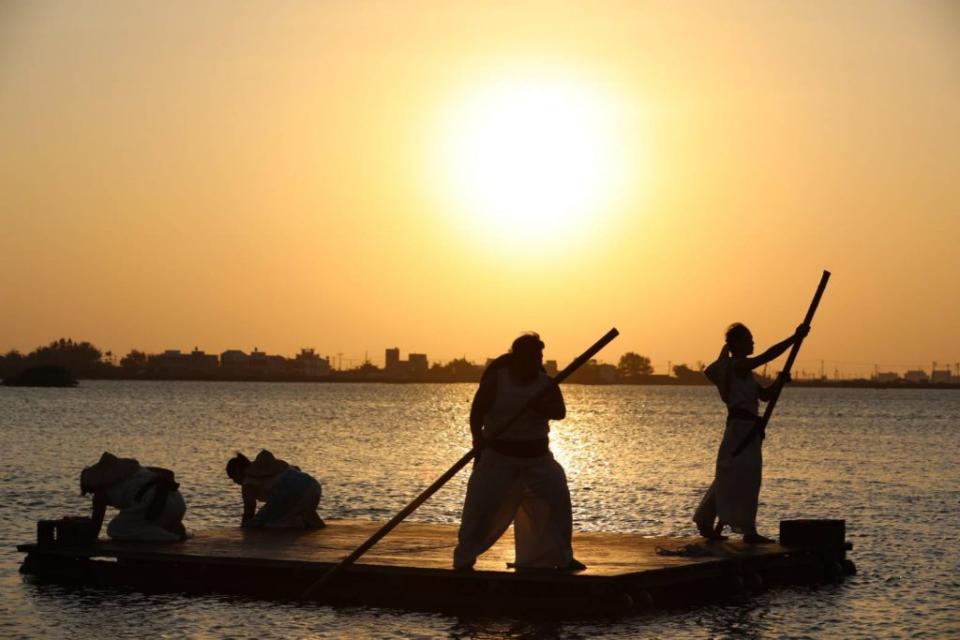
x,y
327,577
760,427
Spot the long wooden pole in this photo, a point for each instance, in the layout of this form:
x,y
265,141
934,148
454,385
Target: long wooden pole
x,y
452,471
759,429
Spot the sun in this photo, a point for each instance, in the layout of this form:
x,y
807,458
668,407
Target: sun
x,y
533,157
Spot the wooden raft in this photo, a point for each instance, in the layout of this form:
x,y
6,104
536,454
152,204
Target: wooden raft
x,y
411,568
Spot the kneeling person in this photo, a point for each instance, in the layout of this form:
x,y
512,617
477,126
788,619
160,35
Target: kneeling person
x,y
148,498
515,478
291,496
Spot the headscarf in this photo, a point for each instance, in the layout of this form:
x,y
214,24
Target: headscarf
x,y
107,471
265,466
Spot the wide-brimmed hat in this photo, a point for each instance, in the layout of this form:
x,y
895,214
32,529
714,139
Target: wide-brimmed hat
x,y
265,465
107,471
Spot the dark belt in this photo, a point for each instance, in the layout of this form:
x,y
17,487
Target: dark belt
x,y
734,413
521,448
164,488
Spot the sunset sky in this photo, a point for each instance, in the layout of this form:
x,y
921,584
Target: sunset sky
x,y
440,176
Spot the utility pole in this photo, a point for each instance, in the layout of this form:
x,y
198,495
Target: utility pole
x,y
821,370
339,361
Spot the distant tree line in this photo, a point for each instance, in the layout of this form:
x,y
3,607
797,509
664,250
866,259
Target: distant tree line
x,y
84,360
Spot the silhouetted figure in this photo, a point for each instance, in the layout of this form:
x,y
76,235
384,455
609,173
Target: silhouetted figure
x,y
515,478
290,496
148,498
732,498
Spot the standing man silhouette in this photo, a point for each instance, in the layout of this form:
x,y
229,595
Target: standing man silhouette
x,y
515,478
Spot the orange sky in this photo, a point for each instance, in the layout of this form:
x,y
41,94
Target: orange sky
x,y
271,174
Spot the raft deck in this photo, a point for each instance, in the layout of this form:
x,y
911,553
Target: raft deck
x,y
411,568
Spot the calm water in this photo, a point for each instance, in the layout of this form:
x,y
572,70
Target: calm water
x,y
637,458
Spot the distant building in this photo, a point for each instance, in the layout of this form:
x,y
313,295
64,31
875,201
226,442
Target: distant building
x,y
940,376
392,359
168,363
915,375
416,366
309,363
261,362
203,362
234,359
174,362
169,359
551,367
886,377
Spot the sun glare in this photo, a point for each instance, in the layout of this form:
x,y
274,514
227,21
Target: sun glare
x,y
533,157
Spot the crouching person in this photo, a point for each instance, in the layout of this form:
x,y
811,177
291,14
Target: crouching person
x,y
290,496
150,505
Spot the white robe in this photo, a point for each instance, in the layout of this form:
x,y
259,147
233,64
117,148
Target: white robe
x,y
735,493
738,479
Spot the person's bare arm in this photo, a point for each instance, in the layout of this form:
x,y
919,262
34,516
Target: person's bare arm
x,y
743,365
767,393
550,405
98,512
482,402
249,504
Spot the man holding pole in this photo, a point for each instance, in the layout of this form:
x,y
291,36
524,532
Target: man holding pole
x,y
515,478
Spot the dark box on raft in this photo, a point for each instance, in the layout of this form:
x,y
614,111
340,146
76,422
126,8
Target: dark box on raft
x,y
66,531
410,569
829,536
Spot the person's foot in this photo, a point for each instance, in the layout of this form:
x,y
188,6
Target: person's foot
x,y
710,533
571,567
574,565
467,568
316,523
756,538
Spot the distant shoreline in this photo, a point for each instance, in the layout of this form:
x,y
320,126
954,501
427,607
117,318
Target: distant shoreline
x,y
82,360
659,381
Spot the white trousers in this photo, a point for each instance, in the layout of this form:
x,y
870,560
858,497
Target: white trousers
x,y
532,494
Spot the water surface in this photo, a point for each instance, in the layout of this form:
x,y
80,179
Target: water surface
x,y
637,459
